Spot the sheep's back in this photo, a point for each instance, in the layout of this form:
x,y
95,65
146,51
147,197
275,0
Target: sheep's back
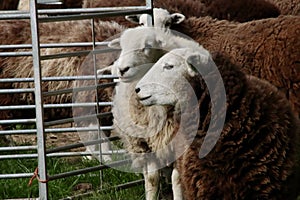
x,y
268,49
59,32
287,7
255,154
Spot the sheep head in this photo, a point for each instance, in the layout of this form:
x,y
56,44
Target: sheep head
x,y
162,18
167,82
177,79
140,50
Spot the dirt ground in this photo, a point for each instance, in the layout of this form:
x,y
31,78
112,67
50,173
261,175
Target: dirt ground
x,y
52,139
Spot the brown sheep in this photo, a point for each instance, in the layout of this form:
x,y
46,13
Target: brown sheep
x,y
241,11
20,67
72,3
9,4
24,5
255,155
287,7
19,32
103,3
268,48
245,10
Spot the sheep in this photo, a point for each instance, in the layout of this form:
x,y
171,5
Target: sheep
x,y
14,32
9,5
120,19
20,67
73,4
241,11
143,46
162,19
24,5
287,7
140,50
268,48
254,156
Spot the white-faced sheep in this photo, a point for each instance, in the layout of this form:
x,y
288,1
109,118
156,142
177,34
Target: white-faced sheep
x,y
143,46
144,130
20,67
254,156
268,48
162,19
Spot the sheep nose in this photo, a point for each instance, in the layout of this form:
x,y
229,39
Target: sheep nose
x,y
123,70
137,90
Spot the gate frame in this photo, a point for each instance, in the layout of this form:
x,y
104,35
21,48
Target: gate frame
x,y
42,152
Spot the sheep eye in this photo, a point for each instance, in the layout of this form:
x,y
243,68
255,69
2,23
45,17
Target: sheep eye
x,y
142,24
168,67
147,47
168,24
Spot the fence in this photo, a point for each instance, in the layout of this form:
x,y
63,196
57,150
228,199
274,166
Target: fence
x,y
26,117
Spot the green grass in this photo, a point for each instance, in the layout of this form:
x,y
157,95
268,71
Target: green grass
x,y
70,186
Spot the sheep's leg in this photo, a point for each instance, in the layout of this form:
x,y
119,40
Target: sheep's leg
x,y
91,135
151,176
176,186
105,147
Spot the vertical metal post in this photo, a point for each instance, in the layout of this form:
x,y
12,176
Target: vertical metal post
x,y
43,187
150,18
97,98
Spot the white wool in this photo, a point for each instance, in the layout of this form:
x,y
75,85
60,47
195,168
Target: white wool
x,y
141,48
162,19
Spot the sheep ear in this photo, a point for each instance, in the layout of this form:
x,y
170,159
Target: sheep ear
x,y
198,63
133,18
192,63
177,18
115,44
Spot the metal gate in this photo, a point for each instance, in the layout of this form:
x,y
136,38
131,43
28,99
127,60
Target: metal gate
x,y
27,117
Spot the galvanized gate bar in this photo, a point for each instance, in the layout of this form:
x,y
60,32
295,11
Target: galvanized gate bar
x,y
13,54
14,121
24,90
20,175
61,154
94,15
88,13
58,78
52,45
18,148
55,130
85,117
89,169
63,105
42,153
43,187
